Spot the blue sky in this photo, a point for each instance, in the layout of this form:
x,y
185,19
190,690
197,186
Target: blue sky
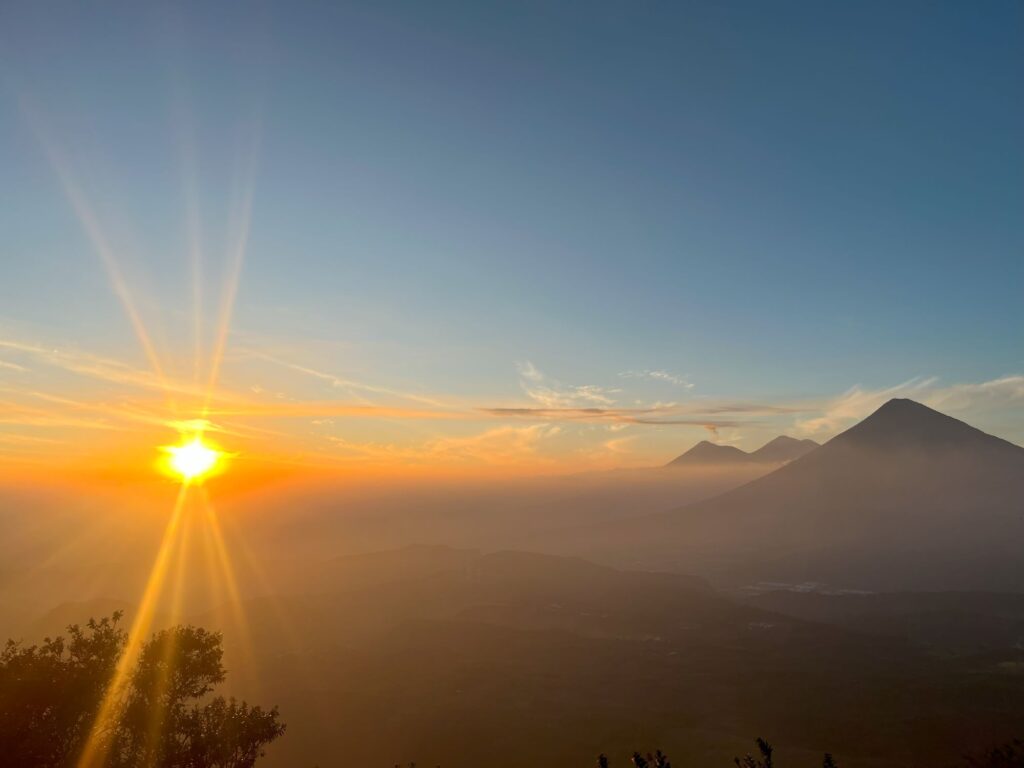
x,y
770,203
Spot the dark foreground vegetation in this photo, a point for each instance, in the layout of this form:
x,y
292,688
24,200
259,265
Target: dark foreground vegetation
x,y
51,693
1009,755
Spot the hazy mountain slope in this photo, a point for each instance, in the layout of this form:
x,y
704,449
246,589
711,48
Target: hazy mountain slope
x,y
70,547
706,452
783,448
948,622
907,499
776,451
326,521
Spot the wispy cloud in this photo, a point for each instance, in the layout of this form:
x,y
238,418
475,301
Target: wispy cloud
x,y
996,393
554,394
96,367
856,403
327,409
16,414
13,367
350,385
964,399
18,439
497,446
529,371
618,446
425,429
648,416
659,375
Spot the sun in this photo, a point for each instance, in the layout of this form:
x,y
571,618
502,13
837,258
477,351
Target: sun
x,y
192,461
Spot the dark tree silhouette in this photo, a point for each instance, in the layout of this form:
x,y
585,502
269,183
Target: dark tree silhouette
x,y
765,761
660,760
50,695
1009,755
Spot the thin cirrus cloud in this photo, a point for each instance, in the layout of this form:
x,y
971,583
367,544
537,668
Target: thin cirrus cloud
x,y
496,446
39,407
971,399
13,367
659,375
552,394
554,400
995,393
648,416
617,446
93,367
352,386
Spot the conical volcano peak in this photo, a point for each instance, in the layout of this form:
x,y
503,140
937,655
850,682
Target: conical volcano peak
x,y
782,440
776,451
706,452
904,423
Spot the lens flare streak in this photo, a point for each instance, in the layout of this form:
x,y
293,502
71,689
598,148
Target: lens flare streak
x,y
94,753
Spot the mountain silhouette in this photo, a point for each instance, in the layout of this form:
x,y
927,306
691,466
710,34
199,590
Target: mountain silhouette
x,y
706,452
781,449
903,424
909,498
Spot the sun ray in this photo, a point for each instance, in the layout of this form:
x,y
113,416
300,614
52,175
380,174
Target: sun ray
x,y
226,570
216,587
181,570
239,240
98,240
220,551
94,752
194,231
196,264
225,595
174,614
266,590
191,461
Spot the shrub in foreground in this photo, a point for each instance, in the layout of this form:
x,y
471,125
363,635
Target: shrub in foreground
x,y
50,695
1009,755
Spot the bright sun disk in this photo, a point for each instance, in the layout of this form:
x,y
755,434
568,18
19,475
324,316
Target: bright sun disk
x,y
192,460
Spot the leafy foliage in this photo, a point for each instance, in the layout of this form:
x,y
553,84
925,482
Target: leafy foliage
x,y
50,695
1009,755
766,750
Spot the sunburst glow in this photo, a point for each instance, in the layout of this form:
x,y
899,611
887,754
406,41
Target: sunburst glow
x,y
194,460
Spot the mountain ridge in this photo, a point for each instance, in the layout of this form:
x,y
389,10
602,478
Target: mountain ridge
x,y
909,498
779,449
903,423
